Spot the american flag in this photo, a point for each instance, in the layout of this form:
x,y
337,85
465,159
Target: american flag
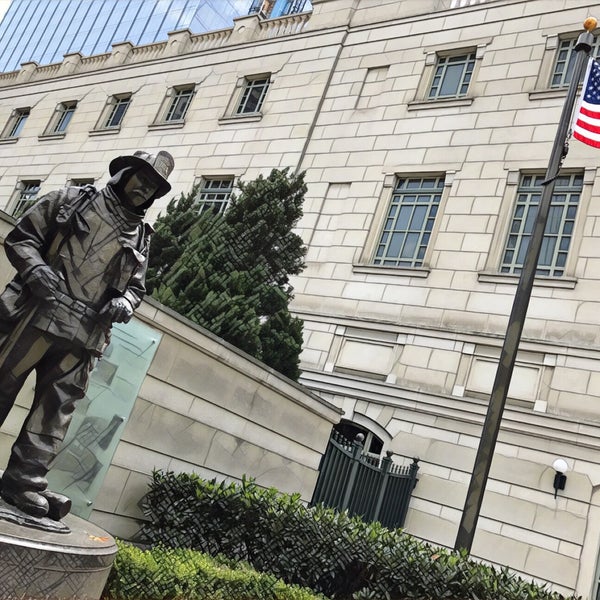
x,y
586,121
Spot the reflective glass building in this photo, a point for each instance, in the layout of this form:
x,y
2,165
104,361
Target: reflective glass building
x,y
44,30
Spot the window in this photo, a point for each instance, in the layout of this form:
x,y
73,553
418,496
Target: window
x,y
214,194
117,106
452,76
16,123
409,222
253,95
81,181
565,60
62,117
179,104
559,228
26,195
372,443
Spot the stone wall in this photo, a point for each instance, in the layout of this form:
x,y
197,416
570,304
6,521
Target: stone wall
x,y
204,407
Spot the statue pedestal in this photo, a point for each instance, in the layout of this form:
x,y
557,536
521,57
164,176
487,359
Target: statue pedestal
x,y
40,565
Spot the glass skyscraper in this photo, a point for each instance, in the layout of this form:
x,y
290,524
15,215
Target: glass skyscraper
x,y
44,30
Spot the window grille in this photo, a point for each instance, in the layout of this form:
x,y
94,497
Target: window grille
x,y
27,196
179,104
214,194
559,227
119,106
409,222
253,95
452,76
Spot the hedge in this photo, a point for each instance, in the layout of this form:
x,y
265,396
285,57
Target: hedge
x,y
332,553
181,574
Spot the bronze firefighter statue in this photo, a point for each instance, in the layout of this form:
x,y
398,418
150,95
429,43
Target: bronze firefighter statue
x,y
81,258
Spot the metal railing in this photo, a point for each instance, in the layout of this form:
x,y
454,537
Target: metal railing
x,y
373,488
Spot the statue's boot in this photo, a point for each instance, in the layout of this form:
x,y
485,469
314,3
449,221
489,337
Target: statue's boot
x,y
24,480
59,505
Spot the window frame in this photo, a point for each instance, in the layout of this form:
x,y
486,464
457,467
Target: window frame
x,y
176,93
19,202
202,188
16,122
67,107
422,100
524,208
112,104
444,62
392,213
571,40
247,85
491,271
80,181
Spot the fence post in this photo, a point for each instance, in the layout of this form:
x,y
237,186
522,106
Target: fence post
x,y
357,447
386,464
414,467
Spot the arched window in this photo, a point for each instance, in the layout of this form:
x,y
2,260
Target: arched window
x,y
372,443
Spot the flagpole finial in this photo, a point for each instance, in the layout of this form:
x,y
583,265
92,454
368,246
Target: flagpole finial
x,y
590,24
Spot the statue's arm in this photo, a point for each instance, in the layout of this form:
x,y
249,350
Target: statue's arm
x,y
136,288
26,243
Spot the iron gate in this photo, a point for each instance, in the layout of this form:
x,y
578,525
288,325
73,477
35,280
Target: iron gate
x,y
373,488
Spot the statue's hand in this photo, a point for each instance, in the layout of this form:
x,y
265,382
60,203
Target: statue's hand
x,y
119,310
43,282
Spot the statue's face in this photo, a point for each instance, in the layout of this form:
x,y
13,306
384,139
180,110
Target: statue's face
x,y
141,187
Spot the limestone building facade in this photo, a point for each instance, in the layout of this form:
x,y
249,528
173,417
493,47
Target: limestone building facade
x,y
424,127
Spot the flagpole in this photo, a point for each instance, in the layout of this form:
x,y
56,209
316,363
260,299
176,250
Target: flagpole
x,y
491,426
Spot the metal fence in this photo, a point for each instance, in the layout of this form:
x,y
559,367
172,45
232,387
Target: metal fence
x,y
373,488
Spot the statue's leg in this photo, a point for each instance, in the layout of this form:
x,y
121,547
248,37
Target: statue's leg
x,y
62,377
26,352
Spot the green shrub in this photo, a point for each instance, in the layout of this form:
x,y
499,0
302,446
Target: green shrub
x,y
182,574
340,556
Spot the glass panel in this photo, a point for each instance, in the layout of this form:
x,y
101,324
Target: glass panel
x,y
100,417
404,217
412,239
395,244
451,80
547,251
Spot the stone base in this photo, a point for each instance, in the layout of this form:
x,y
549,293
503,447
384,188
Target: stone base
x,y
42,565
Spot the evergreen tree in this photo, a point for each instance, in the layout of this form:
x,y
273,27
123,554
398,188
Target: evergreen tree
x,y
230,273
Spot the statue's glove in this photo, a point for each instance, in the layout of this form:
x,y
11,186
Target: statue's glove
x,y
43,282
119,310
